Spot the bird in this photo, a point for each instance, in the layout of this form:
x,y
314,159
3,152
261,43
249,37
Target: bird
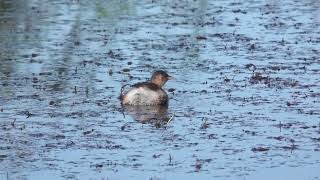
x,y
147,93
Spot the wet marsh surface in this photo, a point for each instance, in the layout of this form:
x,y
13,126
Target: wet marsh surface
x,y
245,101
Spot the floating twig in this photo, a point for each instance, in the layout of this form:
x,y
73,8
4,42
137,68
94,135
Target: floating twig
x,y
204,125
170,119
13,123
29,114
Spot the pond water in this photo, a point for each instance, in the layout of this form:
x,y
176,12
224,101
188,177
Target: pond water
x,y
244,101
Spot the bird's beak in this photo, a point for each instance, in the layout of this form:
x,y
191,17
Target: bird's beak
x,y
170,77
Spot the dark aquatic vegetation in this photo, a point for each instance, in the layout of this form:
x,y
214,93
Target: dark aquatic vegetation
x,y
260,149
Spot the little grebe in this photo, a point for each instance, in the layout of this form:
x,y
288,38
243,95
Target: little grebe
x,y
147,93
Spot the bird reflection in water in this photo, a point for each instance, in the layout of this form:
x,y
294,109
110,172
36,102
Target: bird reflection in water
x,y
156,115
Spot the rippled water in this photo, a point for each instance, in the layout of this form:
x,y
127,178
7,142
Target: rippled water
x,y
244,103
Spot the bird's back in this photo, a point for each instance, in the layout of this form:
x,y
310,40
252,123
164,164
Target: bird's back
x,y
145,93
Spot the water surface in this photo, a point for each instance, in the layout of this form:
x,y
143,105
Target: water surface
x,y
244,102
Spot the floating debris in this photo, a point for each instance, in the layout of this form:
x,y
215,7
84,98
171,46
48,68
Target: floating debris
x,y
260,149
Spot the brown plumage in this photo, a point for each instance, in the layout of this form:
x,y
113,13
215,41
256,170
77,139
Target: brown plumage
x,y
147,93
